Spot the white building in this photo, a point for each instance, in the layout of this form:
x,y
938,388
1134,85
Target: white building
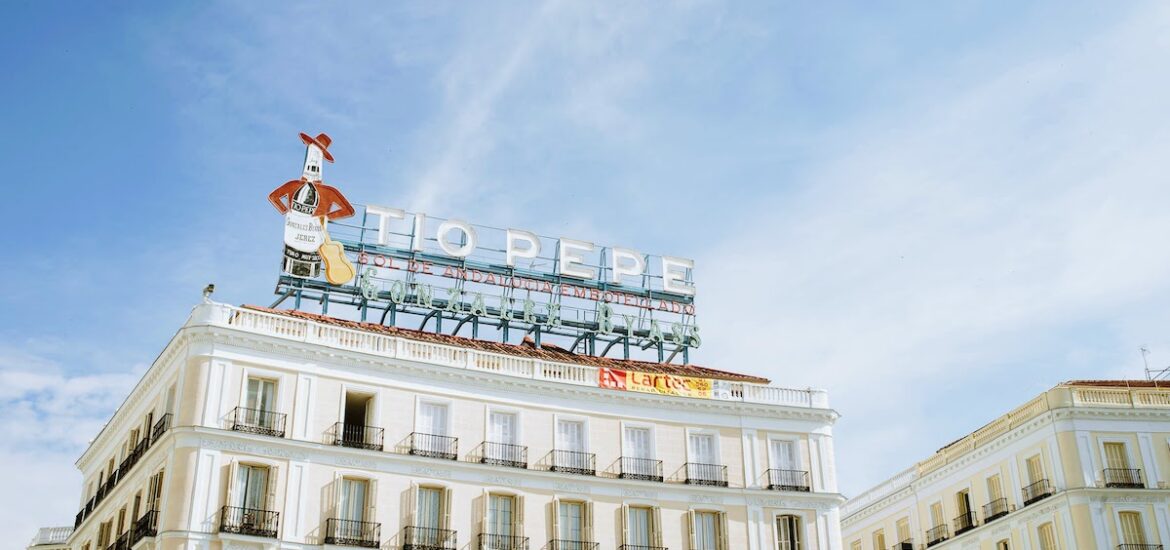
x,y
257,428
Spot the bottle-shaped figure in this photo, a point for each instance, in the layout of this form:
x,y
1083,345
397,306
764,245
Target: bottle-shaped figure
x,y
306,204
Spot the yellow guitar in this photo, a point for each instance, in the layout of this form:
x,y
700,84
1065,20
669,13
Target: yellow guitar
x,y
338,270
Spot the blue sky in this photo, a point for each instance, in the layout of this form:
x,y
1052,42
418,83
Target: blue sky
x,y
933,210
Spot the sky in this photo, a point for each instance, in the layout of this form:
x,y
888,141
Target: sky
x,y
935,211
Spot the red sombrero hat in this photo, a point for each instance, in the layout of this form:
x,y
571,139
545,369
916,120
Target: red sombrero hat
x,y
322,140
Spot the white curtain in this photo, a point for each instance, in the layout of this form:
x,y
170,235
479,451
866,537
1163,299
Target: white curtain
x,y
353,500
706,531
638,526
499,518
261,397
784,454
430,508
432,418
571,521
252,487
702,449
571,435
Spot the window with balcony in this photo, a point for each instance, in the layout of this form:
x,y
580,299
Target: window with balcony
x,y
502,446
430,528
571,453
641,526
572,526
786,473
258,414
708,530
357,428
1118,472
997,505
938,532
879,539
1038,486
703,466
251,501
503,527
905,541
638,460
431,435
789,533
354,522
966,519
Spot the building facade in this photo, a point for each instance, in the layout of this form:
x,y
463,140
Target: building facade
x,y
1085,465
257,428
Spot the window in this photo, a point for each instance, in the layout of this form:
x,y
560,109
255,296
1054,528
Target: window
x,y
104,534
879,539
1115,456
1003,545
641,527
260,402
903,527
1047,537
855,546
638,449
708,530
505,515
430,511
154,491
502,428
701,448
788,533
783,453
351,504
994,488
1035,469
571,435
936,515
573,520
1132,531
432,418
250,487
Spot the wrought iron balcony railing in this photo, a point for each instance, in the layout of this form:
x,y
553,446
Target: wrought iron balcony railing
x,y
573,462
160,427
248,521
641,547
343,532
1037,491
145,526
788,480
503,454
357,436
562,544
706,474
433,446
489,541
907,544
995,509
257,421
966,522
646,469
1139,547
428,538
936,534
120,543
1124,478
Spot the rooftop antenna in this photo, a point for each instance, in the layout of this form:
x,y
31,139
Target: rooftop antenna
x,y
1153,374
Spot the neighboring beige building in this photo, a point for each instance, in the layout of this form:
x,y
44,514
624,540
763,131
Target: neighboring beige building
x,y
263,429
1085,465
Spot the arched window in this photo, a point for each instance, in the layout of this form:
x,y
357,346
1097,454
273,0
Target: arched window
x,y
788,533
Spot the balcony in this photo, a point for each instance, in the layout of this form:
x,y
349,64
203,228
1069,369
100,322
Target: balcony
x,y
357,437
121,543
343,532
966,522
562,544
995,509
160,427
146,526
502,542
645,469
248,521
1123,478
641,547
788,480
433,446
1139,547
1037,491
256,421
503,454
427,538
714,475
907,544
936,534
573,462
